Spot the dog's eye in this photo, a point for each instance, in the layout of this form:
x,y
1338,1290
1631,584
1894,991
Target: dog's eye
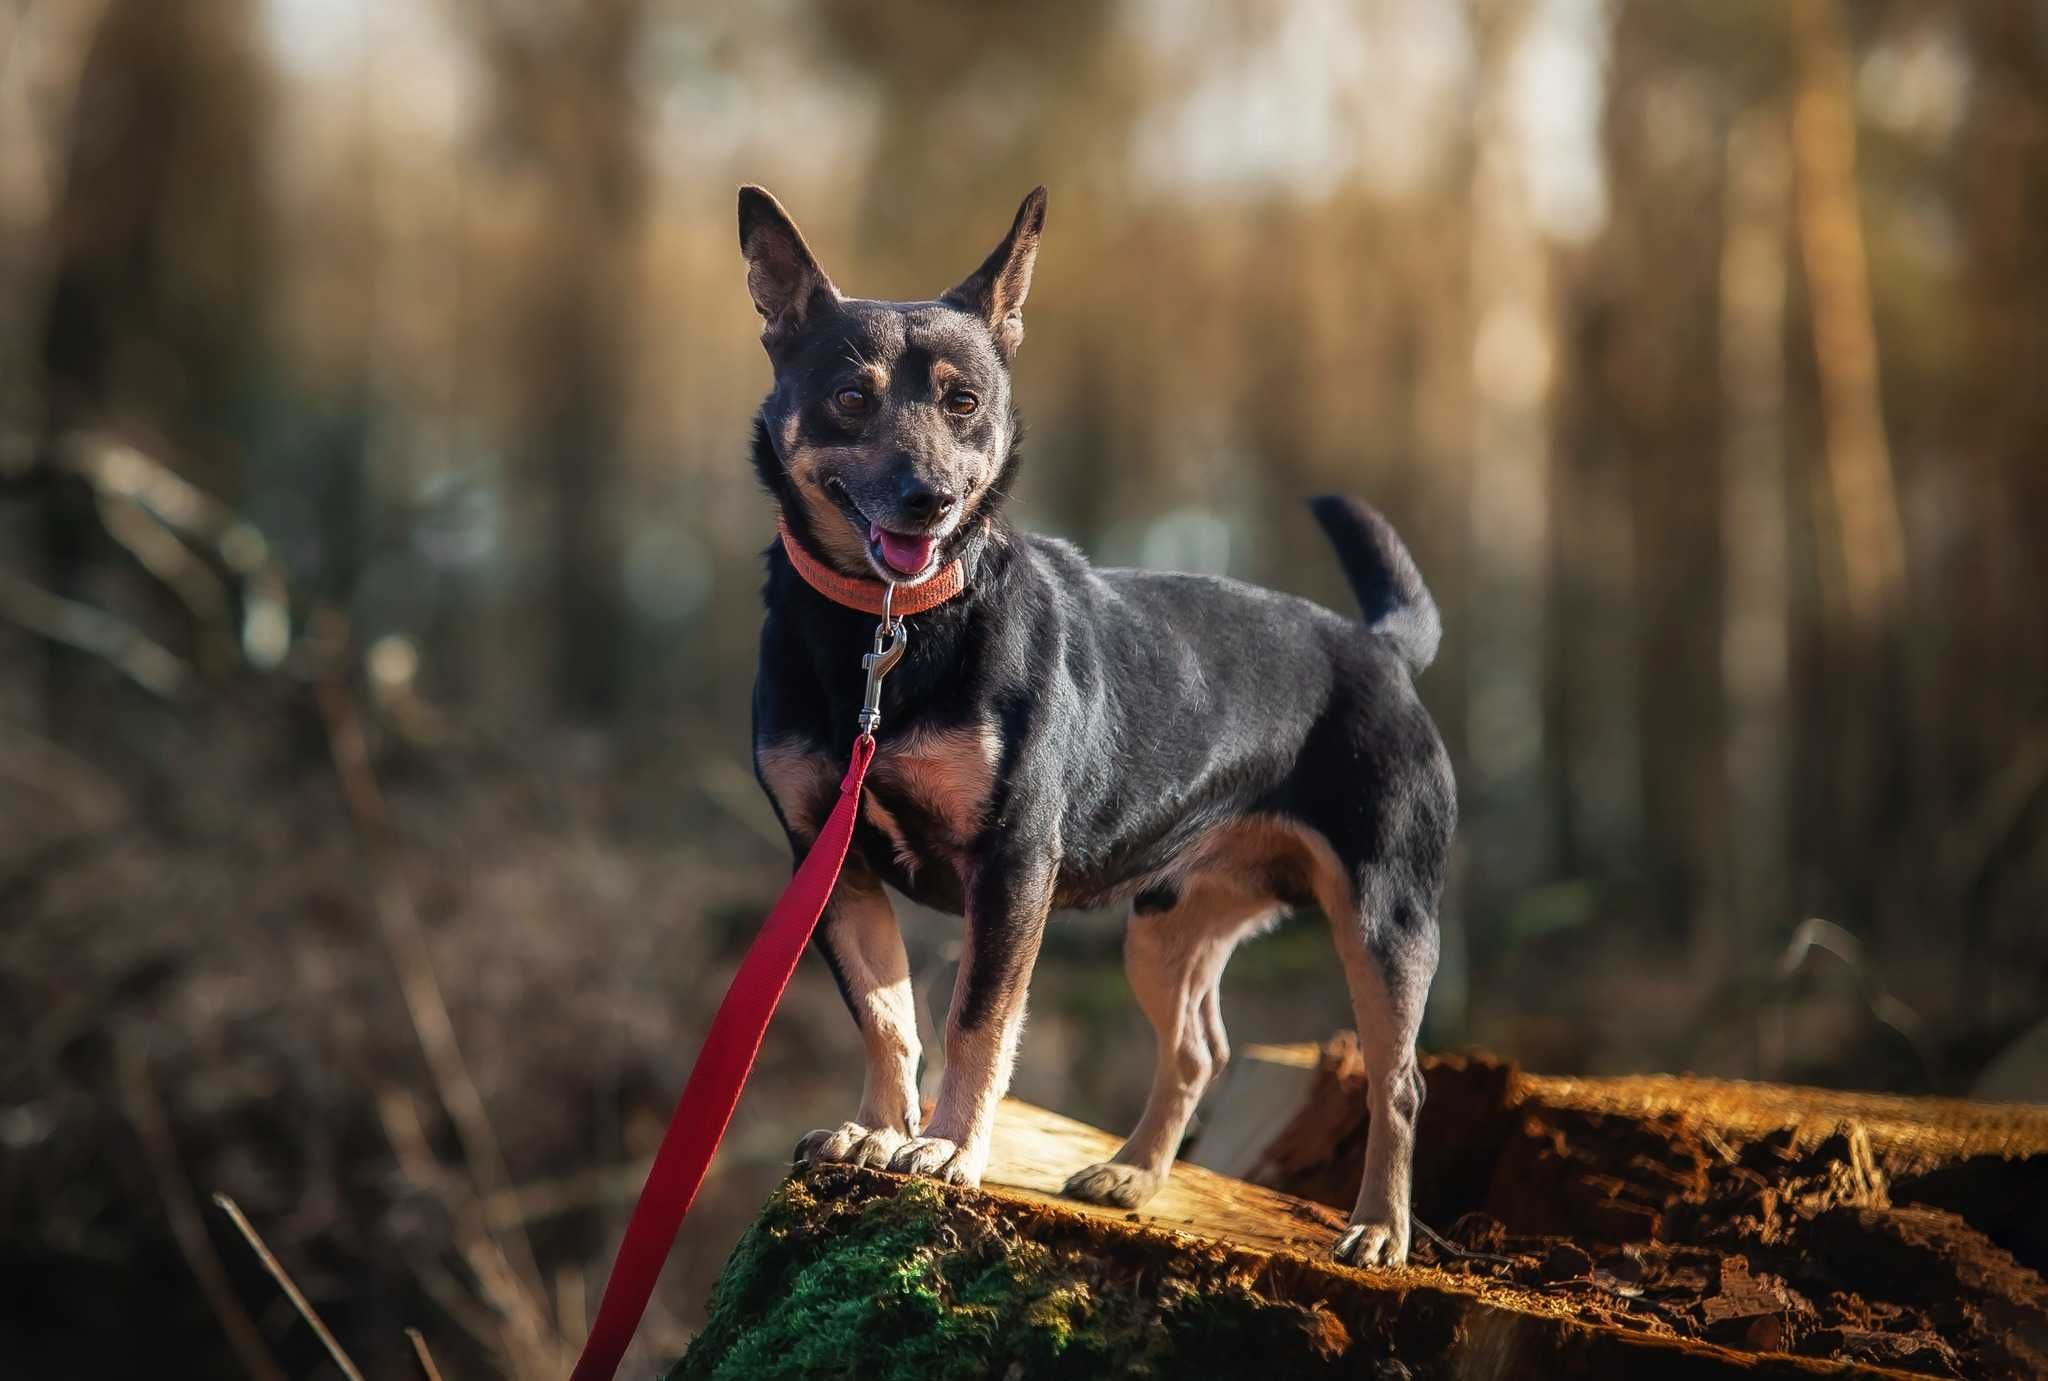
x,y
852,399
962,404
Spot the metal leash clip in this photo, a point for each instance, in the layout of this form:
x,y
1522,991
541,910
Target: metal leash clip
x,y
891,638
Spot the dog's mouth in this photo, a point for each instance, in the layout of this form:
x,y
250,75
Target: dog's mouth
x,y
905,554
901,557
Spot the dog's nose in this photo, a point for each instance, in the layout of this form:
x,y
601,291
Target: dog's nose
x,y
922,503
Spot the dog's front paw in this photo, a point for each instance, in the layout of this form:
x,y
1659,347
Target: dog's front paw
x,y
951,1161
849,1143
1121,1186
1371,1244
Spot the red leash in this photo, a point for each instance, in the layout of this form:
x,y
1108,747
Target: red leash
x,y
715,1082
734,1041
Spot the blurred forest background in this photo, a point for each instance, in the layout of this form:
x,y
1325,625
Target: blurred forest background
x,y
378,567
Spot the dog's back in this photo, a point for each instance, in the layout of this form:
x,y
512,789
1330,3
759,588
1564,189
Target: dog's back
x,y
1192,701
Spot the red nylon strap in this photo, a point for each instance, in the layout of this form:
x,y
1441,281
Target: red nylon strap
x,y
713,1090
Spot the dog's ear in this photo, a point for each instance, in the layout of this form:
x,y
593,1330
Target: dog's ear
x,y
783,276
995,292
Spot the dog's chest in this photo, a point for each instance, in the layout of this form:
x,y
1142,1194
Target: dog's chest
x,y
928,793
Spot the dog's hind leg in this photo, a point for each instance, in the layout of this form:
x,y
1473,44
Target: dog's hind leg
x,y
1174,959
864,946
1388,943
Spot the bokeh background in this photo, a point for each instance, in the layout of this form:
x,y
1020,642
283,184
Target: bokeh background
x,y
378,568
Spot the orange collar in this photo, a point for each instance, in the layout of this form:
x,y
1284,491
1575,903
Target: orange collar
x,y
866,595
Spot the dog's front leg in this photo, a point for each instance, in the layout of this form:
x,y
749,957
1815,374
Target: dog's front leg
x,y
1007,905
864,946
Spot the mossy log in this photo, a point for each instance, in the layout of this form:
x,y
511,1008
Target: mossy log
x,y
857,1273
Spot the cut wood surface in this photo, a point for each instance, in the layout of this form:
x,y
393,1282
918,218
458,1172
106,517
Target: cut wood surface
x,y
1905,1131
1035,1151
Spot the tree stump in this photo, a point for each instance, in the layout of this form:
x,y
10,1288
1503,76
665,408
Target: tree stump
x,y
1593,1227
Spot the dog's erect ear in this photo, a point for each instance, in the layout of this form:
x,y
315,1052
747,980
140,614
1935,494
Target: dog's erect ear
x,y
995,292
783,276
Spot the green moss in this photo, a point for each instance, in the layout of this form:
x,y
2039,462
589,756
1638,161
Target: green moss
x,y
844,1276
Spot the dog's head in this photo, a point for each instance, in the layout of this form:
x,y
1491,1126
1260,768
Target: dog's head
x,y
889,433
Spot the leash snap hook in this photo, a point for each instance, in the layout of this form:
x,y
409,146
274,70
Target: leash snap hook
x,y
891,640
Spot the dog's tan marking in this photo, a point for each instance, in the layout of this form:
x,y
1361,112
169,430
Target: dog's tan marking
x,y
950,773
1386,1019
899,844
944,376
865,940
839,543
1253,845
1175,963
844,549
860,933
801,780
1175,960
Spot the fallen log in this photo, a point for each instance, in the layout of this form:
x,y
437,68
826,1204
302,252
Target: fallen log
x,y
1649,1262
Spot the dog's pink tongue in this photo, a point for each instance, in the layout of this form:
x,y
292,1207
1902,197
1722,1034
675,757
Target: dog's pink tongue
x,y
906,554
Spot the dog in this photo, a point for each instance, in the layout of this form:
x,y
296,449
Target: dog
x,y
1056,735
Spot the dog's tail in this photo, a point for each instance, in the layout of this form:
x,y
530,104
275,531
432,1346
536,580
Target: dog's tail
x,y
1397,604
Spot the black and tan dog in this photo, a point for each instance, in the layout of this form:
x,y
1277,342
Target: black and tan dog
x,y
1059,735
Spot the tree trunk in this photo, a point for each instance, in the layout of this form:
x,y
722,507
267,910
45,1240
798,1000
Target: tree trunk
x,y
1513,348
1756,605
